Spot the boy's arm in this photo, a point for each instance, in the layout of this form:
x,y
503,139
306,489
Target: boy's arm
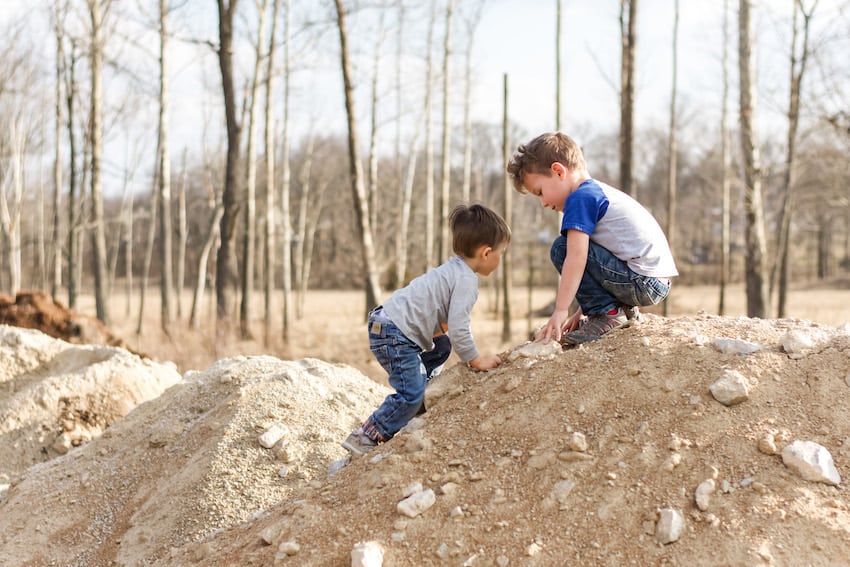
x,y
572,271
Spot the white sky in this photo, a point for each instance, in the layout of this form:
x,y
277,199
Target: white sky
x,y
516,37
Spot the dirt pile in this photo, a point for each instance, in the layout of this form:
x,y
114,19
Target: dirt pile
x,y
55,396
589,456
37,310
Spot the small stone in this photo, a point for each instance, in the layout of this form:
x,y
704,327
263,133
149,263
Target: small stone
x,y
767,445
670,526
273,435
367,554
702,497
289,548
811,461
578,442
730,389
417,503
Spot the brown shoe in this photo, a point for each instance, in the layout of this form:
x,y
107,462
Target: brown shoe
x,y
594,327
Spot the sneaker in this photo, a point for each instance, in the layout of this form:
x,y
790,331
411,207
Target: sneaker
x,y
594,327
358,443
632,313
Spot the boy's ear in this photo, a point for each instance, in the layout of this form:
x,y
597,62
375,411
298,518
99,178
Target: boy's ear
x,y
559,169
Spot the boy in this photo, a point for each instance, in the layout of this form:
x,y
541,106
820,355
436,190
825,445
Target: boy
x,y
611,253
402,330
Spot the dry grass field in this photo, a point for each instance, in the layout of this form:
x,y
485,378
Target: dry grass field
x,y
331,327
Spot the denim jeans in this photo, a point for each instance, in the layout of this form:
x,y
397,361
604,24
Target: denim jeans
x,y
608,282
409,370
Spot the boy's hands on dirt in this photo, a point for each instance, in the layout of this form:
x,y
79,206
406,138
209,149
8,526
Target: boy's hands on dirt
x,y
559,323
485,362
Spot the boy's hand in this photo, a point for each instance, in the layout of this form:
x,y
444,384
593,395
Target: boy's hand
x,y
559,323
485,362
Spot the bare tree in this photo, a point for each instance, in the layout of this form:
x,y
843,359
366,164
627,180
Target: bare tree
x,y
672,150
445,233
98,10
507,283
429,144
59,30
756,274
249,242
182,236
781,268
361,204
286,178
269,244
725,178
226,268
166,283
628,36
73,205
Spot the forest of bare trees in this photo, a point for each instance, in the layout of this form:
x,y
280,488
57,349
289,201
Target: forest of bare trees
x,y
104,187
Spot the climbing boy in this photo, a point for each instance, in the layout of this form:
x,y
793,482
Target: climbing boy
x,y
402,331
611,253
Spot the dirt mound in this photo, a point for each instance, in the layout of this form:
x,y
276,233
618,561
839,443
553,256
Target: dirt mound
x,y
591,456
55,396
513,484
37,310
187,464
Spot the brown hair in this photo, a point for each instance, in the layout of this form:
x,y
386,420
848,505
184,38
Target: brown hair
x,y
538,155
474,226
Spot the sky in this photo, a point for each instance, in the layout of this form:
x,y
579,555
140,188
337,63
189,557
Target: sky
x,y
512,37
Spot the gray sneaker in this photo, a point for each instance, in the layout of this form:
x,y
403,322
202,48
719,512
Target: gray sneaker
x,y
358,443
594,327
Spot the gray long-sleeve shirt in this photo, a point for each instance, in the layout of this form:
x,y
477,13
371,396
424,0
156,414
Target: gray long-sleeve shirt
x,y
445,294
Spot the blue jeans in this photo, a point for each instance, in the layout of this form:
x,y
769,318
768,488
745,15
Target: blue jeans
x,y
608,282
409,370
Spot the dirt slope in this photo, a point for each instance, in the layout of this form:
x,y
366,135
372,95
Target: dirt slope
x,y
510,491
553,459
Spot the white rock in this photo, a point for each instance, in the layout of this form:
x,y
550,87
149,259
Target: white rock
x,y
367,554
416,503
561,492
536,350
796,342
703,493
411,488
289,548
736,346
811,461
670,526
578,442
272,435
730,389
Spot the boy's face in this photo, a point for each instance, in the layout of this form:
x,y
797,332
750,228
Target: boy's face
x,y
551,188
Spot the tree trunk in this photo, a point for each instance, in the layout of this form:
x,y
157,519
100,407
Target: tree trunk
x,y
249,242
200,284
182,236
299,259
672,150
429,145
149,244
781,269
373,129
97,10
628,35
756,280
286,184
507,282
404,215
226,268
361,205
56,279
725,178
445,178
269,243
73,217
166,282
